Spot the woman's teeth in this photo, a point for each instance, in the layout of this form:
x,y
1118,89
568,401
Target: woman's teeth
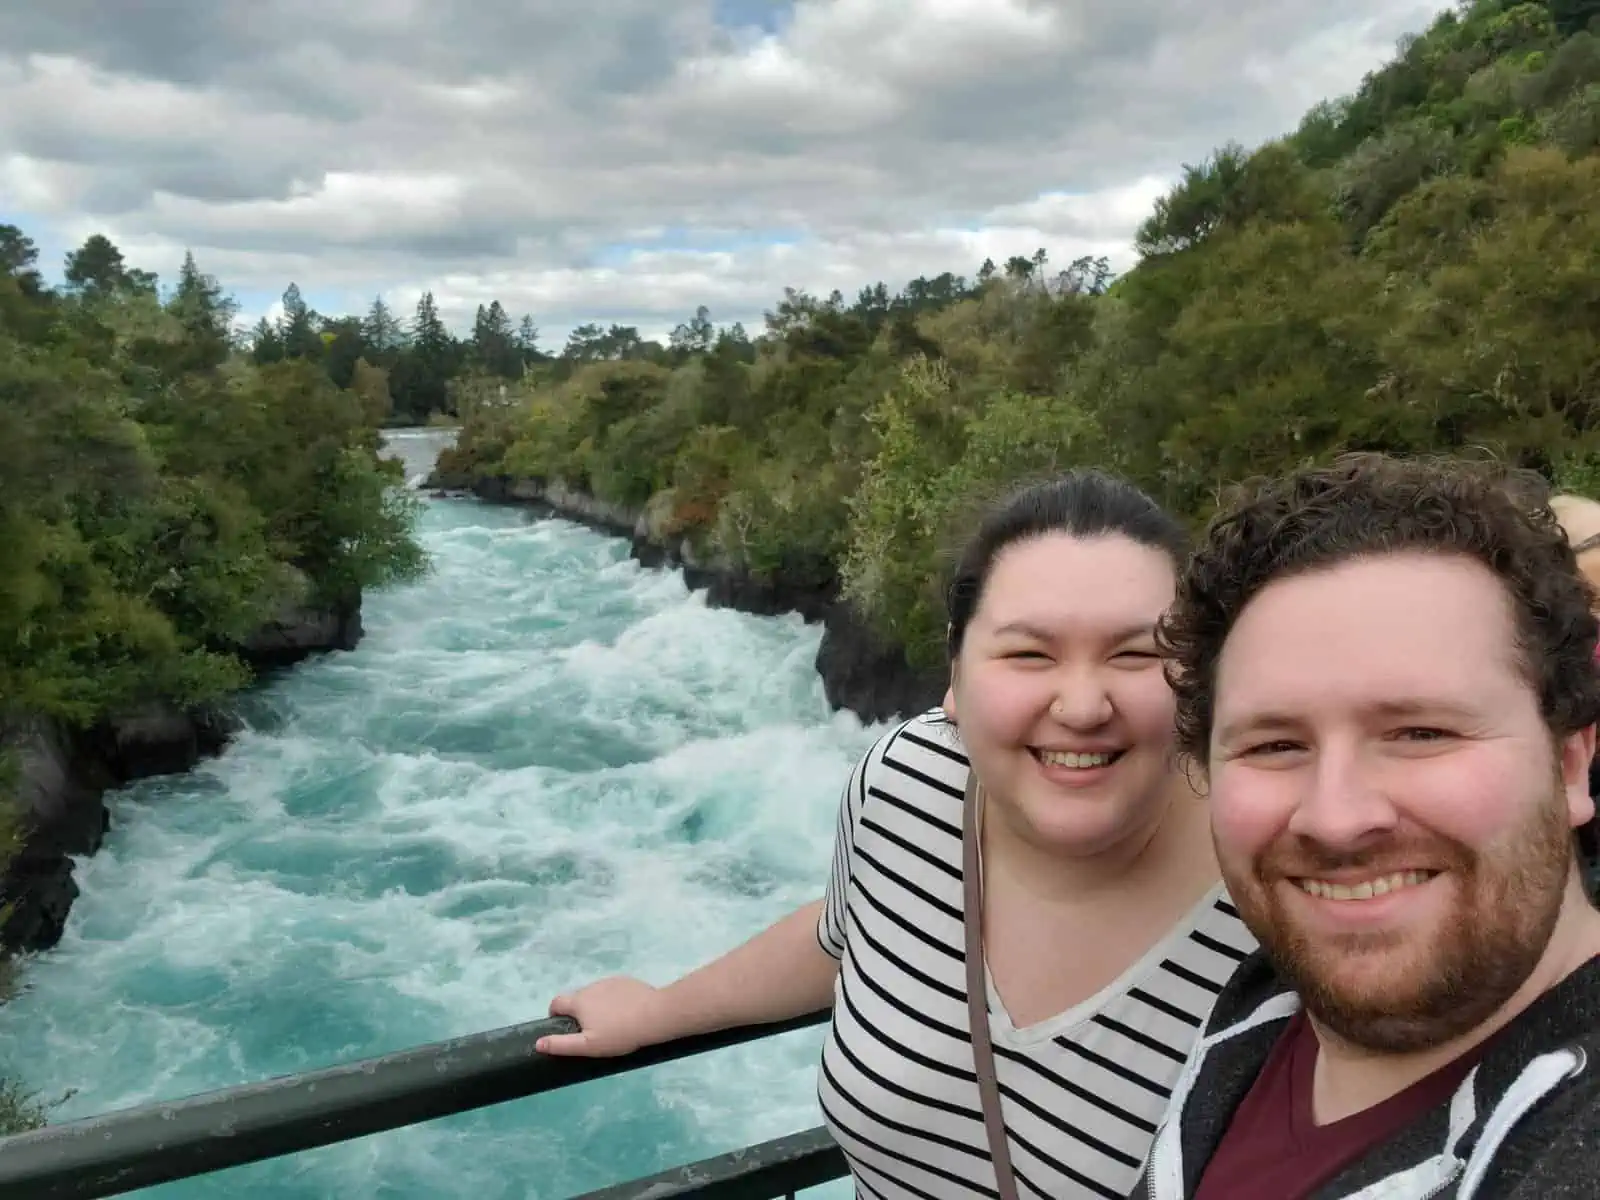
x,y
1381,886
1068,758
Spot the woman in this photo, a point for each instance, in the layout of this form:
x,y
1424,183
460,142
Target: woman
x,y
1580,521
1103,927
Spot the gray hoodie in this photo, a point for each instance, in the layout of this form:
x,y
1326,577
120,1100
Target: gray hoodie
x,y
1523,1125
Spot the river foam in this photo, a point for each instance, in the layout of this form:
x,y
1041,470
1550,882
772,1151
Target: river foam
x,y
542,764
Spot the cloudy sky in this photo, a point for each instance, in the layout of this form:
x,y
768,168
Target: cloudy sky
x,y
626,160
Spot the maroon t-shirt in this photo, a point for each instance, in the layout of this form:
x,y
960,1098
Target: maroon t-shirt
x,y
1273,1150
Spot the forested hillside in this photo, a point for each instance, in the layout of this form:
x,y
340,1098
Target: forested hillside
x,y
1412,268
163,497
1416,267
160,497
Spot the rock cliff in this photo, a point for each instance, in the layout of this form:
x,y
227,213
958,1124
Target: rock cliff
x,y
62,774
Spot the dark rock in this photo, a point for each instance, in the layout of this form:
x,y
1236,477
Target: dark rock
x,y
868,676
300,632
493,489
765,597
40,893
64,773
59,783
448,481
157,740
648,553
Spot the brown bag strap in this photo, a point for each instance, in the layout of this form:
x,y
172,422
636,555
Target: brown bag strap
x,y
978,997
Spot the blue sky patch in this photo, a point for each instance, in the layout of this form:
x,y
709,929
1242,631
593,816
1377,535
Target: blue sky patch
x,y
695,241
770,16
52,251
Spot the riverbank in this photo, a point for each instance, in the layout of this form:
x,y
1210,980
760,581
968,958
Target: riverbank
x,y
62,774
860,672
538,760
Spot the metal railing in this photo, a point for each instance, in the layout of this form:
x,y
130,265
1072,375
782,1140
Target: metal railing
x,y
120,1152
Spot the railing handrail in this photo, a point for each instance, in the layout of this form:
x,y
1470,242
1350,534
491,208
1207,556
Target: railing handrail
x,y
133,1148
782,1166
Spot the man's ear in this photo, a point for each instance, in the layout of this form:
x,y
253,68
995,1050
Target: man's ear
x,y
1577,752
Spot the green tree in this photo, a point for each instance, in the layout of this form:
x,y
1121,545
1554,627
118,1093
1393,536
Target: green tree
x,y
695,335
204,312
382,330
527,340
18,254
266,343
494,343
95,269
422,375
297,328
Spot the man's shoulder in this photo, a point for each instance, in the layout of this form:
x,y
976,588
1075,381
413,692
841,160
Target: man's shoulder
x,y
1537,1088
1551,1147
1252,989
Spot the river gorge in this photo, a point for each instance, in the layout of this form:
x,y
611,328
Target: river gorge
x,y
542,763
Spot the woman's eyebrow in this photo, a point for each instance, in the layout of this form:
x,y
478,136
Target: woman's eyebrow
x,y
1029,629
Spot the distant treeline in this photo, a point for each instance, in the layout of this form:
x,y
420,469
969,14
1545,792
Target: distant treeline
x,y
1415,268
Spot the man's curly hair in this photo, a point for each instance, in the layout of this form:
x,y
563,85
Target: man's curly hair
x,y
1369,504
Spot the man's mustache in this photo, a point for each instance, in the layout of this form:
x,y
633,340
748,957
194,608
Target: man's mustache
x,y
1307,858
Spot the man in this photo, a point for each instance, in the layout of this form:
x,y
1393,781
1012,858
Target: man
x,y
1385,669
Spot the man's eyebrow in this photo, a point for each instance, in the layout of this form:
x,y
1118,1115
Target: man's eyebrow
x,y
1423,708
1255,723
1411,708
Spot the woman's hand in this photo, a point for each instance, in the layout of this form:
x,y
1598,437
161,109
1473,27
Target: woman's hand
x,y
615,1016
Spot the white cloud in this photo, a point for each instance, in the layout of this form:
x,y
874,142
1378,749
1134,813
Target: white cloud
x,y
632,160
852,64
346,207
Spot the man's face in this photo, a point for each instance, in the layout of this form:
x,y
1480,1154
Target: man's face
x,y
1392,815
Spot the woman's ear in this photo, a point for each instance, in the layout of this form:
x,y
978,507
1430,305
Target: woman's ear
x,y
949,704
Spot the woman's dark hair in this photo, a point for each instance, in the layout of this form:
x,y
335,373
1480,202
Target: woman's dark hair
x,y
1084,503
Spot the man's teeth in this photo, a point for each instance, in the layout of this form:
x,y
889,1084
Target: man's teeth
x,y
1366,890
1067,758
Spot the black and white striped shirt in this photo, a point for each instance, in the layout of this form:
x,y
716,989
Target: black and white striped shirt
x,y
1082,1091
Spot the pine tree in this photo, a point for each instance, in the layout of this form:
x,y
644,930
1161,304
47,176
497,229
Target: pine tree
x,y
200,304
298,327
382,329
266,346
96,268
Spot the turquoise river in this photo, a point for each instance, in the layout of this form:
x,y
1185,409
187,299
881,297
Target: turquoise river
x,y
542,764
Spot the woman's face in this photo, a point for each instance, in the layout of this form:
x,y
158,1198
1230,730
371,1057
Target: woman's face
x,y
1058,689
1589,564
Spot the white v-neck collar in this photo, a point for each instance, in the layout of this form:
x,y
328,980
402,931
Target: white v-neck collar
x,y
1003,1031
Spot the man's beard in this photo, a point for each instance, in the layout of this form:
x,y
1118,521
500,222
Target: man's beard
x,y
1443,982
